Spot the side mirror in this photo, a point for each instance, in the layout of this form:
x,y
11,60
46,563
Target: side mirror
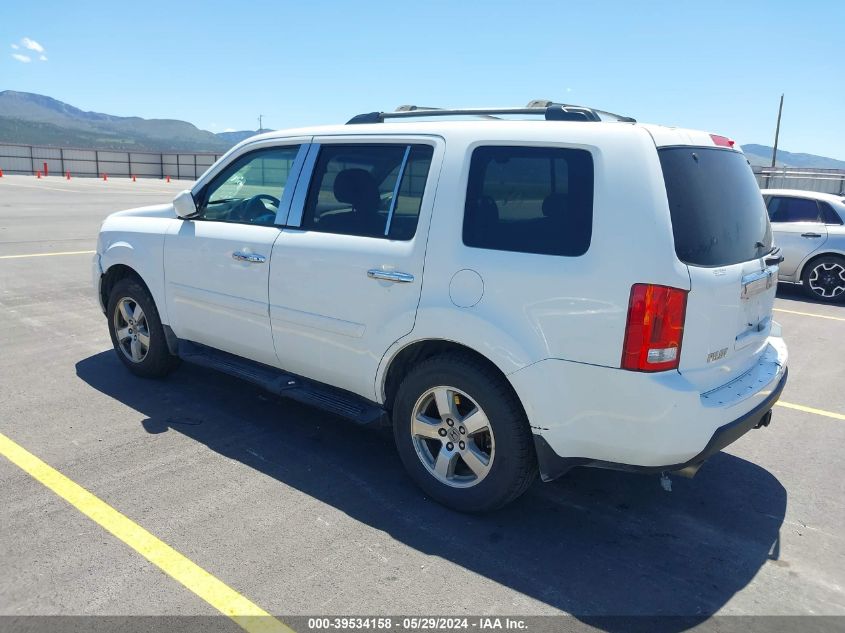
x,y
184,205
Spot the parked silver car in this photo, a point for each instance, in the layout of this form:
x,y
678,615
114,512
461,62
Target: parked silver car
x,y
809,228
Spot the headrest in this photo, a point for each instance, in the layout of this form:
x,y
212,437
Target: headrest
x,y
358,188
554,205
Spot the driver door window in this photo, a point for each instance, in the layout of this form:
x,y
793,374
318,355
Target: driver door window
x,y
248,191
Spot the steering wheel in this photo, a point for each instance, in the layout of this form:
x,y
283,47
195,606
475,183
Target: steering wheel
x,y
253,208
266,196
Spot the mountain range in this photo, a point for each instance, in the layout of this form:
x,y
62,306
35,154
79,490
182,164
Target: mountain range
x,y
762,155
34,119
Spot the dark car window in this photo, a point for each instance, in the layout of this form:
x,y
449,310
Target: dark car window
x,y
353,188
788,209
718,215
829,214
530,200
249,190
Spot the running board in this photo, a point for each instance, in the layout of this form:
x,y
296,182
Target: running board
x,y
325,397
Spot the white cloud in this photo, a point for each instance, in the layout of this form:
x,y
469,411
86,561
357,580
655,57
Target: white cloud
x,y
29,45
32,45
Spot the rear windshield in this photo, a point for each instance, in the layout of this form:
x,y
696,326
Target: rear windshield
x,y
718,214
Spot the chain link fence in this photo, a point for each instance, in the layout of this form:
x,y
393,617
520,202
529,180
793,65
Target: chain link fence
x,y
94,163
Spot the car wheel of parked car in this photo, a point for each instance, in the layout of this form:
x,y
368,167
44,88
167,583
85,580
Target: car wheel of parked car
x,y
136,331
824,278
462,434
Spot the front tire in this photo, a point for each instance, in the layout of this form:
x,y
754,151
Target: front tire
x,y
462,434
824,279
136,330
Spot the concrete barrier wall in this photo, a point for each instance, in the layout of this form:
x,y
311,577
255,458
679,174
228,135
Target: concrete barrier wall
x,y
93,163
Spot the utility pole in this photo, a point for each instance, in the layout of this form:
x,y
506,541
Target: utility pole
x,y
260,116
777,133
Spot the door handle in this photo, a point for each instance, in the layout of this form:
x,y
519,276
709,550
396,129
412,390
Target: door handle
x,y
386,275
252,258
811,235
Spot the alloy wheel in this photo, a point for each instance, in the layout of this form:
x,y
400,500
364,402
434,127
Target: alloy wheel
x,y
131,330
452,437
827,279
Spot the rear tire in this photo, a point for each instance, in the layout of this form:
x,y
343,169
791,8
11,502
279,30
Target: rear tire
x,y
823,279
136,330
462,434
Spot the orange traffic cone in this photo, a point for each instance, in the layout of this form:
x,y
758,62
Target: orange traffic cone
x,y
1,173
38,174
105,176
67,175
133,178
168,179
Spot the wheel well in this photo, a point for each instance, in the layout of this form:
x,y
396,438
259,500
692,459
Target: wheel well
x,y
405,360
815,258
113,275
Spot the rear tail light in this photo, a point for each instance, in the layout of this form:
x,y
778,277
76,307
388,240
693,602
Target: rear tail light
x,y
723,141
655,328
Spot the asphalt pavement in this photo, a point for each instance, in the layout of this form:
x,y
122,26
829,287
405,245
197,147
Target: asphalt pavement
x,y
306,514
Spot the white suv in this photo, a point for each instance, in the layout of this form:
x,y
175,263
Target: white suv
x,y
515,296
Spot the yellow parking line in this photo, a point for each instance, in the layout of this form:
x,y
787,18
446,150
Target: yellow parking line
x,y
247,615
820,316
47,254
801,407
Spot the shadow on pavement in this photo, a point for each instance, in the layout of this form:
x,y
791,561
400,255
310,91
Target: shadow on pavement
x,y
793,292
594,543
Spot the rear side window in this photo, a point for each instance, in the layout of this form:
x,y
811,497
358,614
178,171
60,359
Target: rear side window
x,y
785,209
368,190
718,215
829,214
530,200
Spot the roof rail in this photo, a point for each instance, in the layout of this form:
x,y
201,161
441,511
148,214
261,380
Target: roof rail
x,y
550,110
545,103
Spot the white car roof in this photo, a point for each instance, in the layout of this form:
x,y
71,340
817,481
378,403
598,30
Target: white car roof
x,y
496,129
815,195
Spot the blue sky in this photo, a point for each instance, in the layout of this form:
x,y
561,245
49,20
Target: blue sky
x,y
712,65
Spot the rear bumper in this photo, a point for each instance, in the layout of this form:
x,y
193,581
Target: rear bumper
x,y
600,416
553,465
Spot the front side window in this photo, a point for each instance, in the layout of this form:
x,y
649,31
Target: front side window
x,y
249,190
368,190
530,200
783,209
